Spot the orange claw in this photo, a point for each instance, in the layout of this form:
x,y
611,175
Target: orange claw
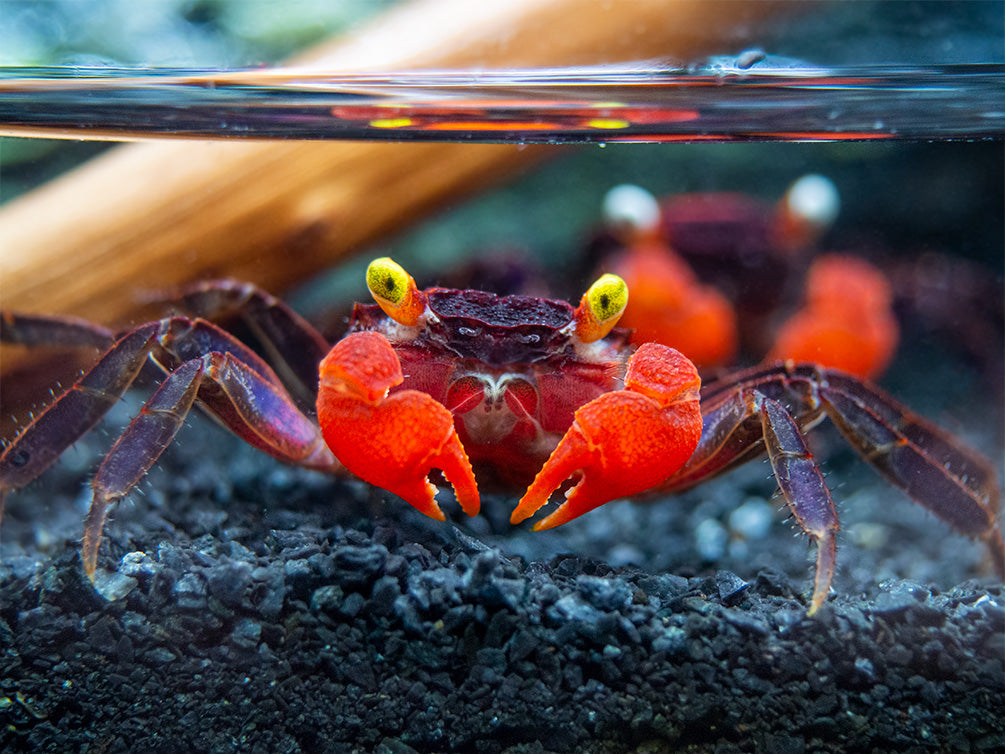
x,y
391,441
623,442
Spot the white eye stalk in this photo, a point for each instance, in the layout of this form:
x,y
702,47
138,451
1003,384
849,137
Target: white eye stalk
x,y
630,210
814,199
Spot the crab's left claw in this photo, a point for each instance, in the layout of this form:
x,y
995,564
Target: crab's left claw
x,y
623,442
391,441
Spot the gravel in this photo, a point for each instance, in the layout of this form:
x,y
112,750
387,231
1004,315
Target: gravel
x,y
250,607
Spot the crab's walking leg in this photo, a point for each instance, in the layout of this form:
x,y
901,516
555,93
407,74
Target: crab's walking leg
x,y
137,449
32,452
770,408
202,362
68,418
802,485
623,442
294,346
746,424
47,330
951,481
391,440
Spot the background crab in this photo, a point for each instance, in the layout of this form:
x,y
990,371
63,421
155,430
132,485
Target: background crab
x,y
730,278
519,388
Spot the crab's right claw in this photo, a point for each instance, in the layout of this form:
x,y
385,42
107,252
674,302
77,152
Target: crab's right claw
x,y
623,442
391,441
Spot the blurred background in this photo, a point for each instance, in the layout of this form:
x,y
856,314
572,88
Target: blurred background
x,y
900,201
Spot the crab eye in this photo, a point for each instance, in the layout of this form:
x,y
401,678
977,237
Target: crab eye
x,y
387,280
601,307
394,291
607,297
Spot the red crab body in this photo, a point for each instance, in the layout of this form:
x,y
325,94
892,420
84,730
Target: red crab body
x,y
525,389
507,369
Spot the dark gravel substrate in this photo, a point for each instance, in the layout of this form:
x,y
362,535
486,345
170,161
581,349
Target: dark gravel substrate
x,y
250,607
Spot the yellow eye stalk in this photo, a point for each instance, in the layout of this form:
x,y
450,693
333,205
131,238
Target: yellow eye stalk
x,y
601,307
395,291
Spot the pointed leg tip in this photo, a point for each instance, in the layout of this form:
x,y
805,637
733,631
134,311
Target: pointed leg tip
x,y
816,603
89,553
996,550
90,566
824,575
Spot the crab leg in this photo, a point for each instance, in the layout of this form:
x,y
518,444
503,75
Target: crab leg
x,y
952,482
748,423
769,409
43,330
75,412
394,440
623,442
248,399
291,341
202,362
137,449
802,486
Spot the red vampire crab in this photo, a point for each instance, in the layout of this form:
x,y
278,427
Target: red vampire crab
x,y
523,389
718,275
726,262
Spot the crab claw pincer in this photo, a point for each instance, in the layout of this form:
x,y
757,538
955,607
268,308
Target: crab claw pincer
x,y
623,442
391,440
